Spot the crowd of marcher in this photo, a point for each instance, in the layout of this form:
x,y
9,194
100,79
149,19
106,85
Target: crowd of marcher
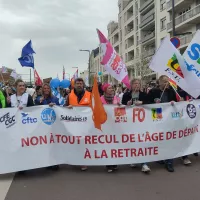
x,y
79,95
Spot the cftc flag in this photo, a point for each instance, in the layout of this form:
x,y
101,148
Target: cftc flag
x,y
27,59
168,61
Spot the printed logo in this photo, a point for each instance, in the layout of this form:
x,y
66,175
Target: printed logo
x,y
26,119
193,53
138,114
120,115
48,116
191,111
8,120
173,64
156,114
73,119
177,115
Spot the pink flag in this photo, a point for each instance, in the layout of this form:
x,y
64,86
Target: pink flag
x,y
112,61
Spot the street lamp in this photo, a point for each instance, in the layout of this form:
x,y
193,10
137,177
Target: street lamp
x,y
88,63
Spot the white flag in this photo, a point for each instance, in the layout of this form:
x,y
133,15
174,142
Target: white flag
x,y
14,74
4,70
168,61
192,61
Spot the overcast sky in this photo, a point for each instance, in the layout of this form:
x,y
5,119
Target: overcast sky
x,y
57,28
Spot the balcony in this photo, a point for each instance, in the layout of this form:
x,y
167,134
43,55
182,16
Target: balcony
x,y
149,53
147,20
178,4
184,41
145,5
191,16
148,37
148,15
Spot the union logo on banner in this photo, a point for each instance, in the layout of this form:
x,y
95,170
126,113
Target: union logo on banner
x,y
120,115
156,114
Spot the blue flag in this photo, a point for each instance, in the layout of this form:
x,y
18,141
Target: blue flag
x,y
27,49
59,96
27,59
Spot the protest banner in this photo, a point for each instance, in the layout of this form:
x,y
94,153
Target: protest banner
x,y
41,136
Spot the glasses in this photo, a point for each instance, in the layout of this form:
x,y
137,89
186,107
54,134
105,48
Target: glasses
x,y
21,85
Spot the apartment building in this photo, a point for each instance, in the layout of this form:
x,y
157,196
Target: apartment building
x,y
141,26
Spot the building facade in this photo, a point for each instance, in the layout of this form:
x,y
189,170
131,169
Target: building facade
x,y
141,26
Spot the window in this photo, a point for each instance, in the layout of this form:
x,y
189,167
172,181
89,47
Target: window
x,y
162,5
163,24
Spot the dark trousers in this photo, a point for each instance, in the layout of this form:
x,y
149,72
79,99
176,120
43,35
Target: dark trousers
x,y
111,166
169,162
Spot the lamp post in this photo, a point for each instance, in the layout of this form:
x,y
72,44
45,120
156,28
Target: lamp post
x,y
88,63
173,20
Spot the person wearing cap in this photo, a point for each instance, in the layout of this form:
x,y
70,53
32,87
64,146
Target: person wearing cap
x,y
78,97
109,97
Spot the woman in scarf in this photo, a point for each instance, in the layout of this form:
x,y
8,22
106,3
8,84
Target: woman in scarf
x,y
21,98
109,98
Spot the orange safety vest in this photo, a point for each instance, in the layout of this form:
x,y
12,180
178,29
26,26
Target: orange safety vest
x,y
85,101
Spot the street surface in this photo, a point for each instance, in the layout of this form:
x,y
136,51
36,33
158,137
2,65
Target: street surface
x,y
69,183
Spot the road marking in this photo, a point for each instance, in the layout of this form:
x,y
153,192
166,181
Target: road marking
x,y
5,182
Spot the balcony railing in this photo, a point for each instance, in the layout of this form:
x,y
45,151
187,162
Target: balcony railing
x,y
169,3
146,21
148,37
144,5
184,17
148,14
186,39
149,53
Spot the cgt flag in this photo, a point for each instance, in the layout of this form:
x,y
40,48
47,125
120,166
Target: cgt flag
x,y
26,59
112,61
38,81
171,63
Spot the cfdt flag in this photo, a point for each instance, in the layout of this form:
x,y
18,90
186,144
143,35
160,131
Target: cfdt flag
x,y
27,59
112,62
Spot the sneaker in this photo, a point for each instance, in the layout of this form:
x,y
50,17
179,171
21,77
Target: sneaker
x,y
132,165
170,167
110,170
145,168
196,154
186,161
84,168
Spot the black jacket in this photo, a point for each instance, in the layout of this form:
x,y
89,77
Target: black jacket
x,y
128,96
156,93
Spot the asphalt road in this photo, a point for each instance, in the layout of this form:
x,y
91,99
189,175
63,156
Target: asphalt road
x,y
69,183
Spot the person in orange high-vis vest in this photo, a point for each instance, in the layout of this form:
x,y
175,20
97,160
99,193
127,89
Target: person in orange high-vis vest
x,y
78,97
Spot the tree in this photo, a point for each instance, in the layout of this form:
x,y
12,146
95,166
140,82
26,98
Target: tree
x,y
142,67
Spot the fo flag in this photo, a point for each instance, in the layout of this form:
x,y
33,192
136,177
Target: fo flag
x,y
112,61
26,59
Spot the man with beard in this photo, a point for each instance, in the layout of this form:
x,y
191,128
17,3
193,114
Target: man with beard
x,y
78,97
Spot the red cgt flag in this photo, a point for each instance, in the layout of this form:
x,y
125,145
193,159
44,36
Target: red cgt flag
x,y
38,81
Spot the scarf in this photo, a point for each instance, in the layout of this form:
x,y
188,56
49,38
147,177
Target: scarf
x,y
19,102
109,98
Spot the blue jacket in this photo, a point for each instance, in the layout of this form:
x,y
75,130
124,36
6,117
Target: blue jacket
x,y
50,100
